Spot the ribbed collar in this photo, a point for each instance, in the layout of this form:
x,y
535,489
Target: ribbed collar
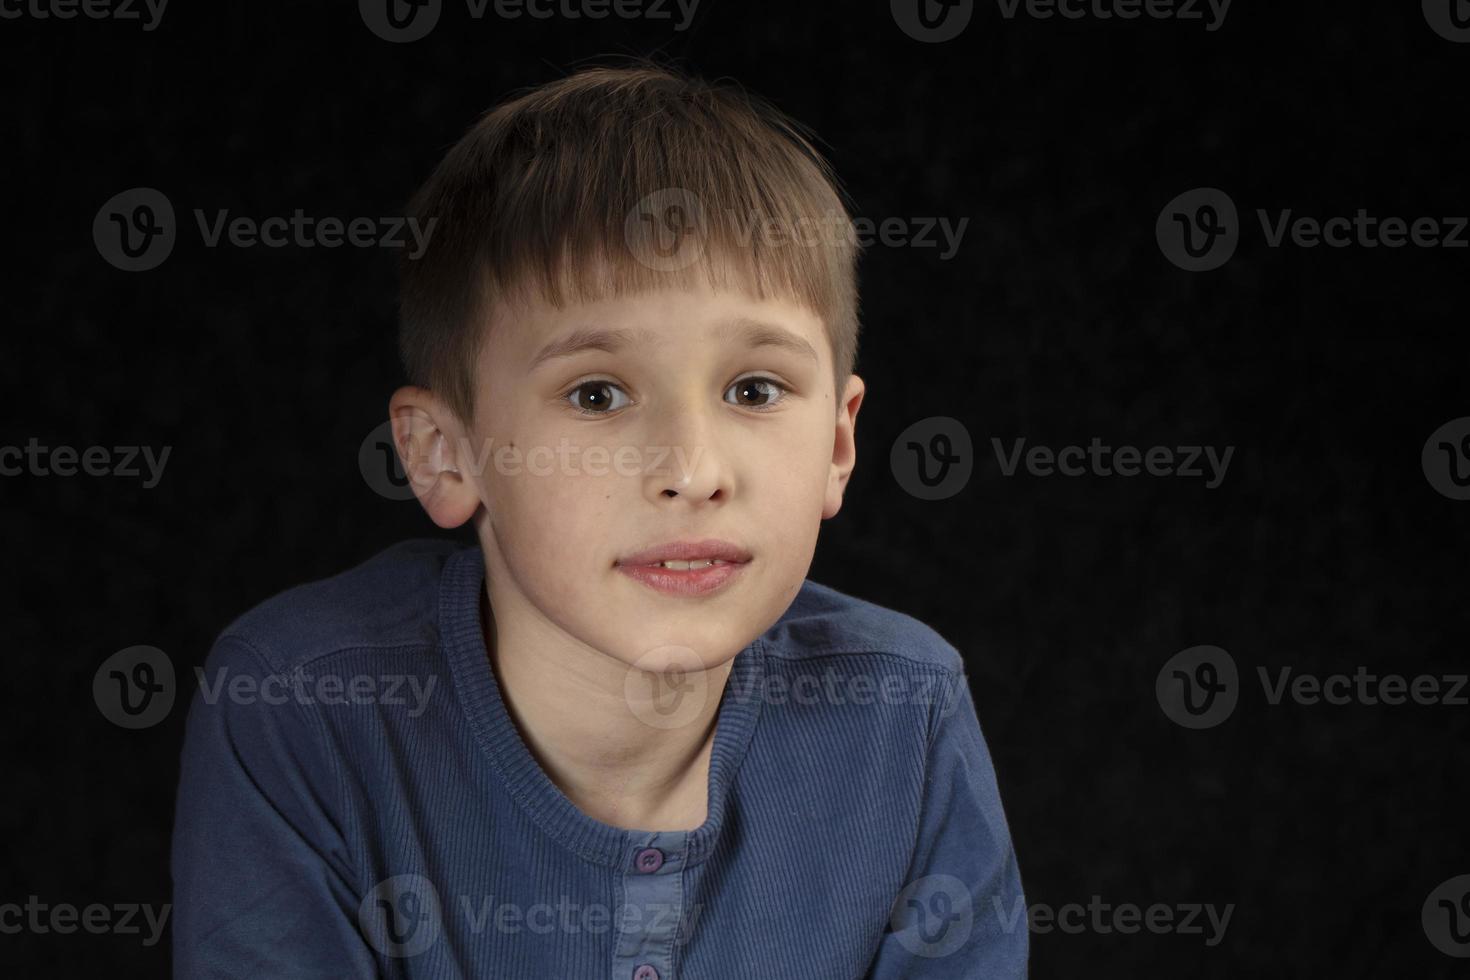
x,y
479,692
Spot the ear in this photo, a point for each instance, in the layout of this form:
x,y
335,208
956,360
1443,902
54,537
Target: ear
x,y
431,443
844,445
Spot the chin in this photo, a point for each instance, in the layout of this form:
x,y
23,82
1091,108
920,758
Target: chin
x,y
684,653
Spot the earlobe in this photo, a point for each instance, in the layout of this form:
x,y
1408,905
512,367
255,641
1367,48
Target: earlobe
x,y
426,435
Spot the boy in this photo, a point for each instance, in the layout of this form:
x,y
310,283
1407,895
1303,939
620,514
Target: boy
x,y
623,736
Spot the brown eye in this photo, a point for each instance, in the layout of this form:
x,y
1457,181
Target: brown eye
x,y
757,393
595,397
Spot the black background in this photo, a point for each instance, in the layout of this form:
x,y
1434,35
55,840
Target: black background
x,y
1325,547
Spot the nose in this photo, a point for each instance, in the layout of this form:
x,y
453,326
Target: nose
x,y
687,463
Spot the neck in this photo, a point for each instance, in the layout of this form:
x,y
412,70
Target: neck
x,y
572,707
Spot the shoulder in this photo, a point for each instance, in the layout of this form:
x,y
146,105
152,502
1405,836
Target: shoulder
x,y
390,600
825,623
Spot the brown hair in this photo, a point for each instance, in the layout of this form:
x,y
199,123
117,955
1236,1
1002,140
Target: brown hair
x,y
560,181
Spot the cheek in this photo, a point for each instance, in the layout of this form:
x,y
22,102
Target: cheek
x,y
805,465
555,515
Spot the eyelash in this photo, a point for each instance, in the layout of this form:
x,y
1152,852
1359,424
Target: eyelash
x,y
782,390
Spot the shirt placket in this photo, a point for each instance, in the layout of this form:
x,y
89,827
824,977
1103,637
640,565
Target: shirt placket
x,y
652,906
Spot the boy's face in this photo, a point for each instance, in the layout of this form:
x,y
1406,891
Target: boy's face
x,y
687,431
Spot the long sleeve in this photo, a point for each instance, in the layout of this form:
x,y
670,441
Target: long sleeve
x,y
262,882
961,912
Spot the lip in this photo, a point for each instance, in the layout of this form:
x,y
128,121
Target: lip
x,y
643,566
680,582
687,551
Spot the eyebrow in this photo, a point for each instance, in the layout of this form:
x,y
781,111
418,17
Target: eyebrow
x,y
755,333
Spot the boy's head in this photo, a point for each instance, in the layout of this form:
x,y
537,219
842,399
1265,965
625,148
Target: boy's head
x,y
635,323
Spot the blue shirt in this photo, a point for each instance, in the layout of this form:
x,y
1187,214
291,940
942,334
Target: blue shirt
x,y
355,801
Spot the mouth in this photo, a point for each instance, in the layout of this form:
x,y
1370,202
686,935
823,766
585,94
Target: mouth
x,y
681,554
686,568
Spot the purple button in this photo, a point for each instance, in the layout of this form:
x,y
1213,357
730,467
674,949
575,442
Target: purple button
x,y
645,972
647,861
